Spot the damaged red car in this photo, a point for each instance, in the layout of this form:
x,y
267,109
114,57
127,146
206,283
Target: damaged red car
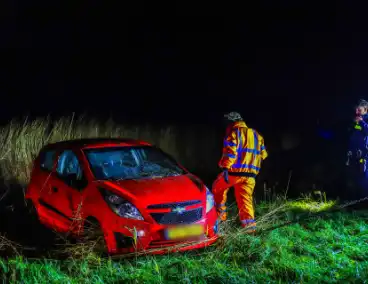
x,y
135,194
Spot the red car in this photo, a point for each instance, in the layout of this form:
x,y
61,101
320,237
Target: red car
x,y
139,197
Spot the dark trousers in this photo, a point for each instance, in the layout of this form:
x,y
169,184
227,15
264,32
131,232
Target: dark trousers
x,y
356,183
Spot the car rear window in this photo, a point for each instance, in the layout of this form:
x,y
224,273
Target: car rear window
x,y
47,160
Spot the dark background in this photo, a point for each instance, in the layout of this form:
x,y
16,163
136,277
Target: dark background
x,y
290,69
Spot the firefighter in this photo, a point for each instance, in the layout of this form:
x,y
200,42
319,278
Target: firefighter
x,y
243,153
357,154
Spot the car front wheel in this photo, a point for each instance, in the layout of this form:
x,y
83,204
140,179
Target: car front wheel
x,y
94,237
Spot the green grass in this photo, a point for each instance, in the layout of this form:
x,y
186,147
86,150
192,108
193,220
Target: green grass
x,y
332,249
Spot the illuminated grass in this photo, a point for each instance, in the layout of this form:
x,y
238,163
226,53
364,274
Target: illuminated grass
x,y
311,206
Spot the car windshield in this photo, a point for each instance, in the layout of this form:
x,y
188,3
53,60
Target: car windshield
x,y
120,163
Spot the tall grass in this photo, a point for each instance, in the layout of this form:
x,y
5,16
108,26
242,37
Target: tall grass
x,y
21,141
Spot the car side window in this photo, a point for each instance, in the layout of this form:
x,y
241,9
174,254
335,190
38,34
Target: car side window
x,y
48,159
69,169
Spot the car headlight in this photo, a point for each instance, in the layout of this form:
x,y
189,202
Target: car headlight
x,y
121,207
210,200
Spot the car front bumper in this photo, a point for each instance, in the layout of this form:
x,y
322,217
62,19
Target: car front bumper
x,y
149,238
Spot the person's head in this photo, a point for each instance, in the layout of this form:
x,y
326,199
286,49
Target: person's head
x,y
361,108
233,116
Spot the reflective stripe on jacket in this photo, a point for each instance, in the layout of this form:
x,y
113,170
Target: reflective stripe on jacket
x,y
244,149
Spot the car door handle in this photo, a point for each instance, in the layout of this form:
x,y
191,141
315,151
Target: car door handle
x,y
54,189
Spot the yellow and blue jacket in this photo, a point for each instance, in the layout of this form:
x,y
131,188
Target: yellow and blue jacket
x,y
243,150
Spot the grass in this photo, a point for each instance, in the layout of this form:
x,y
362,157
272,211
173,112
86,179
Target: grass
x,y
291,246
333,249
20,142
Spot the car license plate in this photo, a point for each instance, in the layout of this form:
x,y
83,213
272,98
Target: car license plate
x,y
184,232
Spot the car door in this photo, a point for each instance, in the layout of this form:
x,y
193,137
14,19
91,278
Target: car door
x,y
66,186
50,200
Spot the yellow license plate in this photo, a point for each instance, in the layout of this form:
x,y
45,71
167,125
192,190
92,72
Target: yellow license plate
x,y
184,232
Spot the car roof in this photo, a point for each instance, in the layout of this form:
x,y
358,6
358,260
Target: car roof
x,y
95,143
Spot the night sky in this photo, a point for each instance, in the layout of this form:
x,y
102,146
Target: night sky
x,y
286,66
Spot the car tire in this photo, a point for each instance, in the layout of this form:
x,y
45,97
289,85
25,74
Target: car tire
x,y
93,233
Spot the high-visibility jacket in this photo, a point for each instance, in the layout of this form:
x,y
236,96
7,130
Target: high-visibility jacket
x,y
243,151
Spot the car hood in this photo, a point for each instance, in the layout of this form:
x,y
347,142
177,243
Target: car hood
x,y
160,190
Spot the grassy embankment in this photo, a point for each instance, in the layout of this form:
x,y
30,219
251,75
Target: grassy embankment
x,y
331,248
